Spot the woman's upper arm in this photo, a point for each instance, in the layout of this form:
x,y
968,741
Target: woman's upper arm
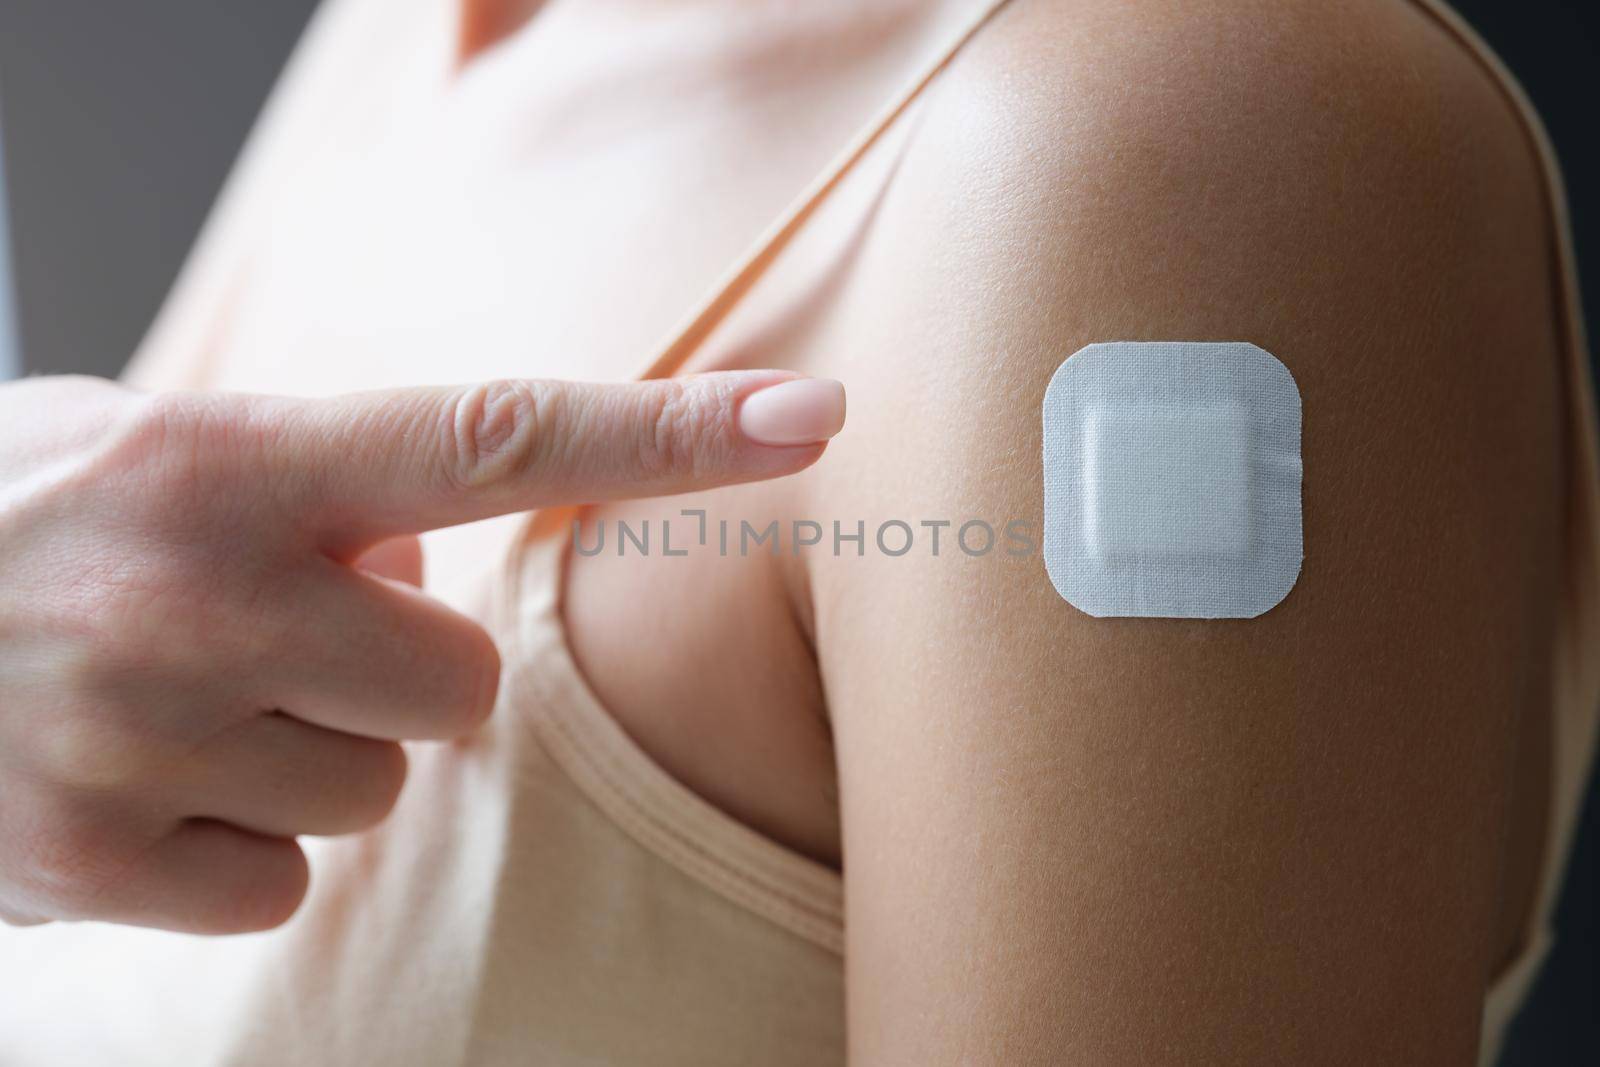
x,y
1276,840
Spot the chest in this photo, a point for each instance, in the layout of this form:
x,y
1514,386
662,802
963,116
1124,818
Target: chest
x,y
554,209
555,212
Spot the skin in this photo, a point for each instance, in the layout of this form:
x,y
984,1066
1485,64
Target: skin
x,y
1069,840
226,667
1065,840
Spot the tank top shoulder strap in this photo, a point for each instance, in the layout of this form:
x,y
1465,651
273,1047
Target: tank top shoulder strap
x,y
786,888
686,339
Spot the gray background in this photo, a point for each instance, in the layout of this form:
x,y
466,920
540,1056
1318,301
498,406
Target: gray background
x,y
10,354
120,119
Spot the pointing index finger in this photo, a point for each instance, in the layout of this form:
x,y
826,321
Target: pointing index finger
x,y
403,461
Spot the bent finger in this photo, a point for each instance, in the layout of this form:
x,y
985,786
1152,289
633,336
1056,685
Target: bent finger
x,y
379,659
278,776
206,877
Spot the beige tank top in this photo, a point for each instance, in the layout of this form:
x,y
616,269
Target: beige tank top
x,y
546,894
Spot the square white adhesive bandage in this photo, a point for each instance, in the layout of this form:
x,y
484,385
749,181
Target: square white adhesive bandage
x,y
1172,480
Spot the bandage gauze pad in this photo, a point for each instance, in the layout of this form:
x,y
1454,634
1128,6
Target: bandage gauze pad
x,y
1172,480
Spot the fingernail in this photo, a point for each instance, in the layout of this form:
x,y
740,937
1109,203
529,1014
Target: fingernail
x,y
799,412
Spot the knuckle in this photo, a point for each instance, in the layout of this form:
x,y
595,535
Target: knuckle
x,y
680,431
70,862
497,430
91,748
171,463
169,435
171,421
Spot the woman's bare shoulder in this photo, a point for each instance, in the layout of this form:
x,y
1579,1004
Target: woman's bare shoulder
x,y
1295,817
1246,94
1351,188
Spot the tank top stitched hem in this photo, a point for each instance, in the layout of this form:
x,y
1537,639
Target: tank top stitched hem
x,y
662,814
807,898
579,733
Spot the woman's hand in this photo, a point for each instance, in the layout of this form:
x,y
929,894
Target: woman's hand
x,y
198,659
